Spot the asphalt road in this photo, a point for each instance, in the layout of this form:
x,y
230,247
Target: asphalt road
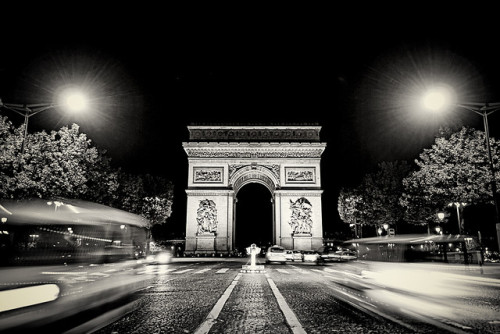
x,y
216,296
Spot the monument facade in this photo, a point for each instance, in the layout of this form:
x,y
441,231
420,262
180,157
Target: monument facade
x,y
223,159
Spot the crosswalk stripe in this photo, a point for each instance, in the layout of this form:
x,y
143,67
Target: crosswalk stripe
x,y
302,271
221,271
183,271
203,270
283,271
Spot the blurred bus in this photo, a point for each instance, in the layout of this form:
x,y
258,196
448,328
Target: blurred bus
x,y
66,261
418,248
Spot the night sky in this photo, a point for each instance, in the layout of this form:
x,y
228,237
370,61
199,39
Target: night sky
x,y
152,71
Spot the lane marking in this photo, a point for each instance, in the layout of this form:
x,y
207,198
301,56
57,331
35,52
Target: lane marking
x,y
203,271
222,271
290,317
214,313
64,273
284,271
302,271
183,271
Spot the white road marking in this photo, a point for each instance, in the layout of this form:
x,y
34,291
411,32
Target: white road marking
x,y
64,273
222,271
283,271
290,317
214,313
183,271
203,271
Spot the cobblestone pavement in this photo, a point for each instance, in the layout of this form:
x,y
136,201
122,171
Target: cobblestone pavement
x,y
216,297
251,308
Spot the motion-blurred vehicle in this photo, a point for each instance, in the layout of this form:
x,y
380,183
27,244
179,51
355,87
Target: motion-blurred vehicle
x,y
276,254
328,253
159,257
343,255
419,248
312,256
64,262
294,255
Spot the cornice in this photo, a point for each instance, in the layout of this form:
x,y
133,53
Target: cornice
x,y
254,150
255,133
209,192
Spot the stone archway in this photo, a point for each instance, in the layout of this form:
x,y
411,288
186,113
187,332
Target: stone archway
x,y
253,221
222,159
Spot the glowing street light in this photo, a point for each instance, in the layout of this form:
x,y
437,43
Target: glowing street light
x,y
71,100
442,97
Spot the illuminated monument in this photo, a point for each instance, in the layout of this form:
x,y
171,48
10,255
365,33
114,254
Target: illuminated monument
x,y
223,159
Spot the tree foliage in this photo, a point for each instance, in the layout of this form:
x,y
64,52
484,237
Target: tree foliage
x,y
349,205
65,163
454,169
376,200
381,192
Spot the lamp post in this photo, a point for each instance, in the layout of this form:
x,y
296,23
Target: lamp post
x,y
441,97
459,207
440,216
72,100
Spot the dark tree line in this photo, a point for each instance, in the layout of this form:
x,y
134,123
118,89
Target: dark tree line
x,y
65,163
455,169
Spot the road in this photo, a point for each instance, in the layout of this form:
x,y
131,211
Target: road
x,y
200,296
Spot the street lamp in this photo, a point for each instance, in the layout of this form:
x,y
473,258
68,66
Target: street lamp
x,y
442,97
459,206
440,216
70,99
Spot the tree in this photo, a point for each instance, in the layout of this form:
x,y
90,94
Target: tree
x,y
65,163
381,191
148,195
349,207
454,169
376,200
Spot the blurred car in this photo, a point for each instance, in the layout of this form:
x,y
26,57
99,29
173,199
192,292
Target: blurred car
x,y
294,255
276,254
312,256
327,253
159,257
344,255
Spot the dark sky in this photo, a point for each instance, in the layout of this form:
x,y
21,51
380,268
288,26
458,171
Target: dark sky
x,y
152,71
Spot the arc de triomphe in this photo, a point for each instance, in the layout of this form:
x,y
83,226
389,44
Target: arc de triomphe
x,y
223,159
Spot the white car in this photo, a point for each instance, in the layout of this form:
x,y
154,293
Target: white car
x,y
276,254
312,256
294,255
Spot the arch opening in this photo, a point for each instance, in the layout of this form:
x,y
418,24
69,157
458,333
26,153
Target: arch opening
x,y
253,216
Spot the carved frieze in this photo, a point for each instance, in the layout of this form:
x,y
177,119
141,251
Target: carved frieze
x,y
216,153
301,216
208,174
300,174
206,217
254,133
